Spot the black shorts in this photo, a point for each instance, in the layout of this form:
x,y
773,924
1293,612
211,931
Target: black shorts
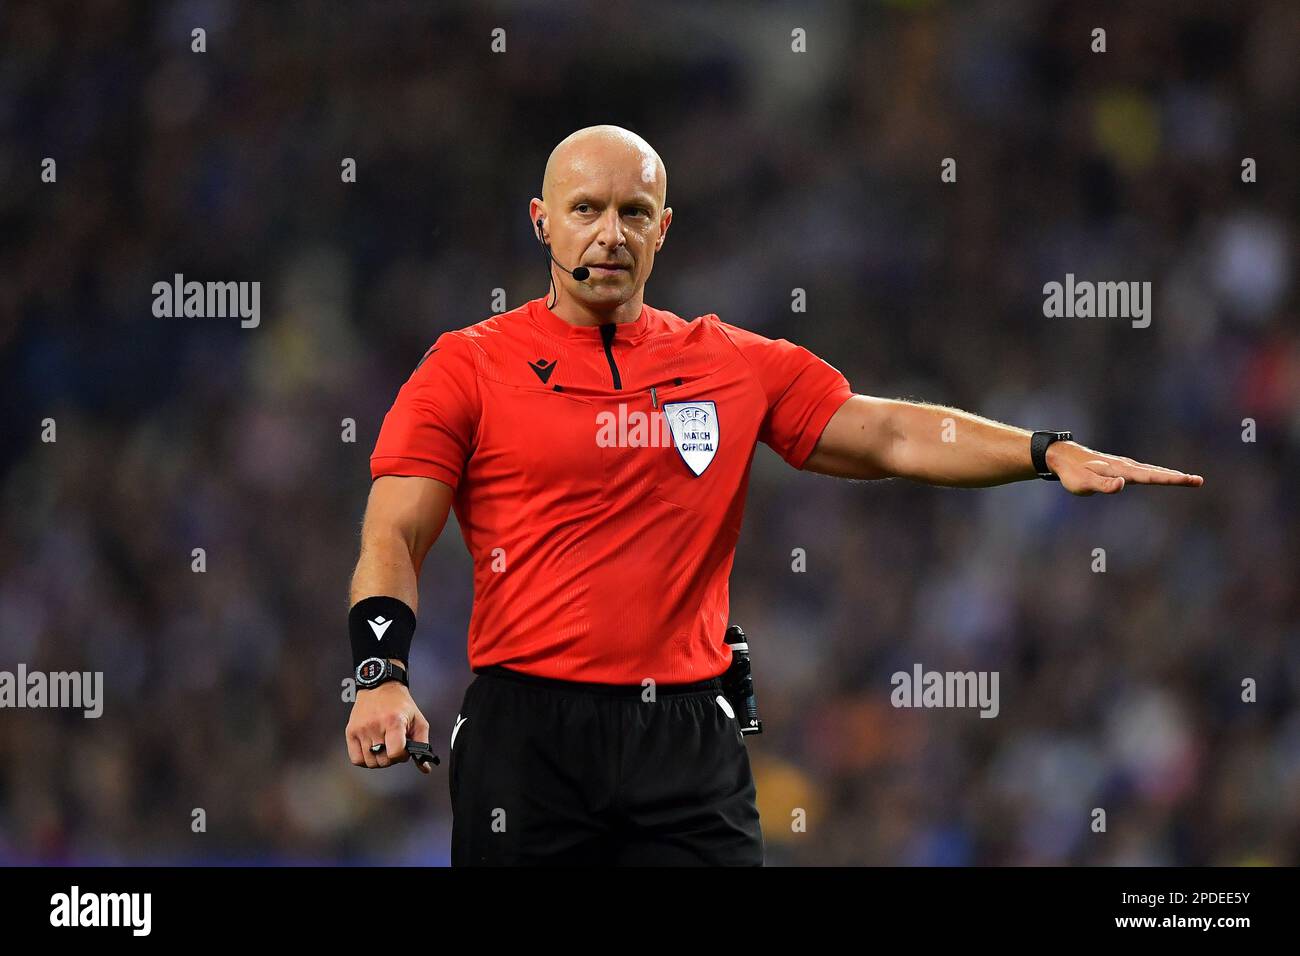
x,y
549,772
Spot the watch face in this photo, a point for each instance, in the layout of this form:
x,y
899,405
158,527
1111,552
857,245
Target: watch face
x,y
371,669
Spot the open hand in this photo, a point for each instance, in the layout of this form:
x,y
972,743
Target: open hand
x,y
1086,472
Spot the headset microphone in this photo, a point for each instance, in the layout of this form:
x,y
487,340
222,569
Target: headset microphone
x,y
581,273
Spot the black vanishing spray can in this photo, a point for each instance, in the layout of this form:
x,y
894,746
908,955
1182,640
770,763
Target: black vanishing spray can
x,y
738,683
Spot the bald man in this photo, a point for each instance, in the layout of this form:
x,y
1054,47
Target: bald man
x,y
597,452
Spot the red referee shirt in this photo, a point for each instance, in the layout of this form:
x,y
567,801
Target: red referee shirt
x,y
600,477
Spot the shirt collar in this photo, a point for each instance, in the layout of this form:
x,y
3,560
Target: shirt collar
x,y
555,326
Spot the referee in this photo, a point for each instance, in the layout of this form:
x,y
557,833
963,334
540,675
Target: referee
x,y
597,453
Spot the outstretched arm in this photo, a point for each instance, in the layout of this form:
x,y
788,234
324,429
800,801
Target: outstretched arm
x,y
890,438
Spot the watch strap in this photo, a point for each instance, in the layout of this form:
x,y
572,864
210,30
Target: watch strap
x,y
391,671
1038,444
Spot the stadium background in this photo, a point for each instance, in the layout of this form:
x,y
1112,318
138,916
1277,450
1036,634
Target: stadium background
x,y
817,171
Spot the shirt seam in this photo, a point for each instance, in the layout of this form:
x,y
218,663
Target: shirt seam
x,y
758,379
478,391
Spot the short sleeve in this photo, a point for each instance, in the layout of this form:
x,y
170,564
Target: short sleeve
x,y
802,390
430,430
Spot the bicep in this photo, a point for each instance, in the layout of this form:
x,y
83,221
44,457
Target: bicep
x,y
413,507
856,441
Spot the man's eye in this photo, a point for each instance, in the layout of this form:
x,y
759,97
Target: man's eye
x,y
582,207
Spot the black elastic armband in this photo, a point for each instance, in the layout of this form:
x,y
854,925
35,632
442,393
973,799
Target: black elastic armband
x,y
380,627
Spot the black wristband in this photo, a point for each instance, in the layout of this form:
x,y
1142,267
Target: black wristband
x,y
380,627
1038,443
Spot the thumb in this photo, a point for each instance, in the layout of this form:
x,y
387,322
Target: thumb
x,y
1103,479
1112,485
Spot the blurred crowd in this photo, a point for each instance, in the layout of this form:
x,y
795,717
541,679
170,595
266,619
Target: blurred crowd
x,y
1120,690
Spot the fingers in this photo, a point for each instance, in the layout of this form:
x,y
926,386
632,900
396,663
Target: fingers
x,y
1144,474
419,728
359,741
395,742
387,730
1110,475
1155,475
369,756
420,732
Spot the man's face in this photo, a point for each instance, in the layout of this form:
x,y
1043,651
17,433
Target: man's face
x,y
605,211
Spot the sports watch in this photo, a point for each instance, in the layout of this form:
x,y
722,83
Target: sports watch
x,y
1038,451
374,671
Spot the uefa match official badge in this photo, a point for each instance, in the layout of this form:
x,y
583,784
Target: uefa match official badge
x,y
694,427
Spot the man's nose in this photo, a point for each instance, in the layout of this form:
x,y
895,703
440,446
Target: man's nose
x,y
611,230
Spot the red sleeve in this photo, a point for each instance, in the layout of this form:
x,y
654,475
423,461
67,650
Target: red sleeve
x,y
802,390
430,430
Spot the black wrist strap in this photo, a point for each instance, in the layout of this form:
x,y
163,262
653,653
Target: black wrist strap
x,y
1038,443
398,673
380,627
377,671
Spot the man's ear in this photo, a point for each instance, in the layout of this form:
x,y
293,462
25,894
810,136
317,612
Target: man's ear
x,y
664,221
536,211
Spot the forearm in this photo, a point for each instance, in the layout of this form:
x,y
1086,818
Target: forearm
x,y
946,446
386,567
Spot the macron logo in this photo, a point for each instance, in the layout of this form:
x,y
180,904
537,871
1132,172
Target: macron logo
x,y
379,626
